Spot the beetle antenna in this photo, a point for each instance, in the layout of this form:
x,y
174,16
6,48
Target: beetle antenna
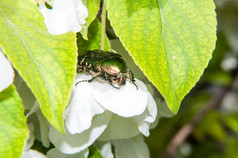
x,y
86,80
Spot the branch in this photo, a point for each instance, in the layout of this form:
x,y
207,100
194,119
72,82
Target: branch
x,y
103,25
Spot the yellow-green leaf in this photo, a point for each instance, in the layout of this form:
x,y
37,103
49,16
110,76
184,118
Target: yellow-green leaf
x,y
93,7
13,127
47,63
170,40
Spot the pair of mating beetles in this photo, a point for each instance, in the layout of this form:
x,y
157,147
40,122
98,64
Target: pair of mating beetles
x,y
106,67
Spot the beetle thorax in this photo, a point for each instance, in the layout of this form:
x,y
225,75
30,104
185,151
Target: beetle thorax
x,y
112,70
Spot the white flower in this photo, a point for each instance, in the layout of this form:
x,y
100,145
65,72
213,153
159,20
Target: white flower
x,y
99,111
6,72
65,16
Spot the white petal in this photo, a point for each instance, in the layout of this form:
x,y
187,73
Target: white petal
x,y
120,128
144,128
148,117
33,153
82,107
65,16
6,72
71,144
152,109
131,148
54,153
105,149
126,101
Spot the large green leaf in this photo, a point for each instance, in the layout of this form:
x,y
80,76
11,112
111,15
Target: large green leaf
x,y
47,63
170,40
93,7
94,39
12,124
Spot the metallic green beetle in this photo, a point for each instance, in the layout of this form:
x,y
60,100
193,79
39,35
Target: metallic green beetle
x,y
105,66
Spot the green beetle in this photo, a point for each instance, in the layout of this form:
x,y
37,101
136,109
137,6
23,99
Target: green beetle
x,y
105,66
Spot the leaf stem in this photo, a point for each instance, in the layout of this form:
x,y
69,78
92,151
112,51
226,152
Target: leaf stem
x,y
103,25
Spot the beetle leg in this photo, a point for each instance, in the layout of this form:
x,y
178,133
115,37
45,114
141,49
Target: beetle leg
x,y
99,75
95,75
121,79
85,69
113,85
86,80
135,85
111,80
130,76
88,66
79,82
93,78
79,68
81,62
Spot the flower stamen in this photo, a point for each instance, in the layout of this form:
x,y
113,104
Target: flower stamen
x,y
109,117
134,138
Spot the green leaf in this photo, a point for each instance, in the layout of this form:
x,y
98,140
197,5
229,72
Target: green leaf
x,y
94,152
232,121
47,63
93,7
170,40
211,126
94,39
13,127
231,147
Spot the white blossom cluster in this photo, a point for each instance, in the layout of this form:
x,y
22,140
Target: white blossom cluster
x,y
98,114
101,115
